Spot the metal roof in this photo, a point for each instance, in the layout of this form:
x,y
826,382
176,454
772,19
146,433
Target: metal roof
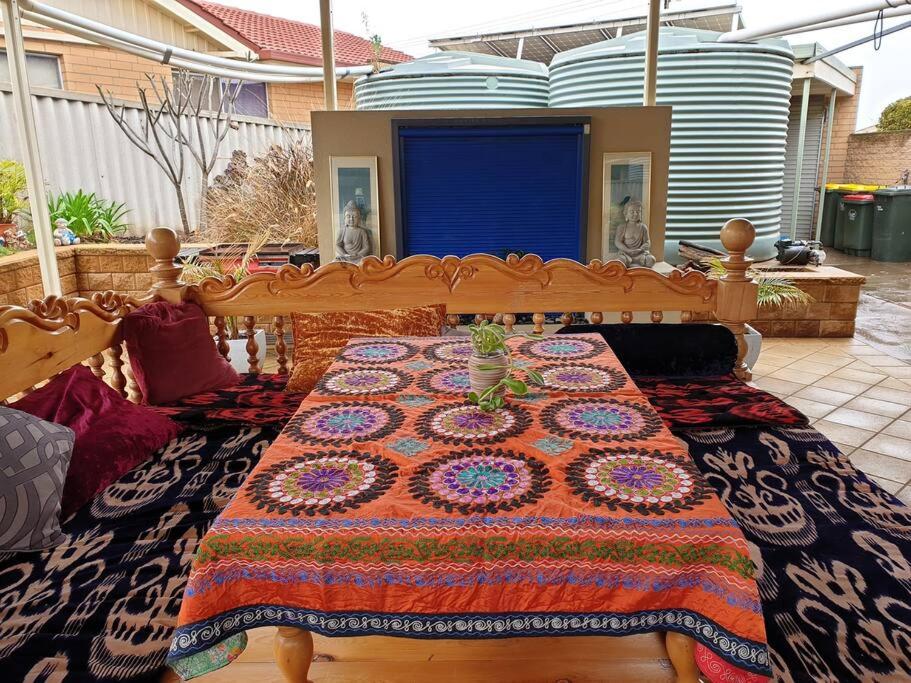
x,y
541,44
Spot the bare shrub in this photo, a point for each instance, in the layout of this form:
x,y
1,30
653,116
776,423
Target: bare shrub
x,y
274,193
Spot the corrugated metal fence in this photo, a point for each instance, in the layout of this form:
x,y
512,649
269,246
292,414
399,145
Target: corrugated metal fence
x,y
82,148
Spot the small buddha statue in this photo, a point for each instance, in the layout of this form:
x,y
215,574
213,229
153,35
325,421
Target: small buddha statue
x,y
353,242
632,240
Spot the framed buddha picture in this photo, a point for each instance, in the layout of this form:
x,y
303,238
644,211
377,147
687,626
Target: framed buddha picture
x,y
355,208
625,208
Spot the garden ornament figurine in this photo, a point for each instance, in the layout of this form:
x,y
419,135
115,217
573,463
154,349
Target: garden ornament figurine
x,y
63,236
632,240
353,242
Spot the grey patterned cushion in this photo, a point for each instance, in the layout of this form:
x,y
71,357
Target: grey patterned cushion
x,y
34,457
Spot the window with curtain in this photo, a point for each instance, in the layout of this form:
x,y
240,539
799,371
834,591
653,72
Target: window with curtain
x,y
43,70
252,100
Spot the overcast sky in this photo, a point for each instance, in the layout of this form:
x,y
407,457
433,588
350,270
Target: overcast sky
x,y
407,25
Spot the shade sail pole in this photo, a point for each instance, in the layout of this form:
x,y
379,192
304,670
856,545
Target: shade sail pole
x,y
28,134
830,121
325,22
801,143
649,96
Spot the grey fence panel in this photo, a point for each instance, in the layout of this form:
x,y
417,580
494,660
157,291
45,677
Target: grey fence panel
x,y
82,148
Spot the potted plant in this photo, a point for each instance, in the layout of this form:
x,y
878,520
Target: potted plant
x,y
12,195
490,367
234,260
772,292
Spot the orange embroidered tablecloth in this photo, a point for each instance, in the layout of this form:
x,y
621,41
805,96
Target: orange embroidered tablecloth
x,y
390,505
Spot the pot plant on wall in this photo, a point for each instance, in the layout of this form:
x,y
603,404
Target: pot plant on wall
x,y
13,202
491,370
234,261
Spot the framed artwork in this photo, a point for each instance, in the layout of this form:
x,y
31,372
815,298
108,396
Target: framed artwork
x,y
355,208
627,183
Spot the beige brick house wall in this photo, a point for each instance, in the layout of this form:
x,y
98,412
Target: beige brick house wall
x,y
844,126
293,102
877,158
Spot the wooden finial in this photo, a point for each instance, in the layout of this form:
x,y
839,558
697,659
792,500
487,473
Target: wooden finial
x,y
163,245
737,236
736,304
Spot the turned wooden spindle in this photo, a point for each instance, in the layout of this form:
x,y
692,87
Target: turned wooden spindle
x,y
221,332
681,650
281,349
566,319
597,318
133,393
626,317
509,321
478,319
538,320
453,320
293,652
163,245
96,362
252,347
118,379
737,292
686,316
657,316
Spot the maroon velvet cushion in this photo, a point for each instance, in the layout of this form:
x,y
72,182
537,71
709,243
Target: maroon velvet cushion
x,y
112,435
172,353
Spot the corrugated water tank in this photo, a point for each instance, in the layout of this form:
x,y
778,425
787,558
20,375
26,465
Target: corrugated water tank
x,y
455,80
729,123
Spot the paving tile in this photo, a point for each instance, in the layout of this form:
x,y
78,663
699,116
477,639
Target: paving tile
x,y
866,367
830,396
893,446
844,385
877,407
857,418
852,436
864,350
892,395
904,495
844,448
888,486
899,371
762,368
810,408
878,465
779,386
899,428
833,362
854,375
809,365
799,376
882,361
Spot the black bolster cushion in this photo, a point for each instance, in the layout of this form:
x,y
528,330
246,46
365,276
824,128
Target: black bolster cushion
x,y
667,350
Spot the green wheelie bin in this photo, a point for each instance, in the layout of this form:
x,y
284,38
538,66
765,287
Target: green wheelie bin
x,y
855,224
892,225
833,192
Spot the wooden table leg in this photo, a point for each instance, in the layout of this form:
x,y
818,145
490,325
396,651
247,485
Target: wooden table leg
x,y
682,652
293,649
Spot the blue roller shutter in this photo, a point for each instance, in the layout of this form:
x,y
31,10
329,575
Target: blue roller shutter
x,y
489,189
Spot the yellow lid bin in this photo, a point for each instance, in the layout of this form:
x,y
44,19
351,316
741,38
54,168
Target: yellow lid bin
x,y
853,187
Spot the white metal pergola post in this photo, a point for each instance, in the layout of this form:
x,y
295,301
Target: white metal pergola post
x,y
801,142
28,134
329,87
830,121
649,95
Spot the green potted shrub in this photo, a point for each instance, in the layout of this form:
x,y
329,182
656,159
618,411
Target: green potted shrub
x,y
89,216
490,367
12,194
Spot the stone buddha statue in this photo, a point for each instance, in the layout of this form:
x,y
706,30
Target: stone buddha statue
x,y
353,242
632,240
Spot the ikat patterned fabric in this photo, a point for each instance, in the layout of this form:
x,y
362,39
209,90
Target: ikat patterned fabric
x,y
390,505
318,337
34,457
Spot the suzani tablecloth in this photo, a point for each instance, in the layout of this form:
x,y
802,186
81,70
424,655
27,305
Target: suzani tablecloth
x,y
390,505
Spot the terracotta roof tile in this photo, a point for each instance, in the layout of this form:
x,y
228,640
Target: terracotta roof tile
x,y
289,40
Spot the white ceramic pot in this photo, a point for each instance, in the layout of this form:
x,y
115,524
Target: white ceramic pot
x,y
237,351
753,340
482,379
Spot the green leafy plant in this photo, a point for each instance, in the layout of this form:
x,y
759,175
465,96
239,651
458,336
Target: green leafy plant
x,y
234,261
896,116
12,190
772,292
489,340
89,216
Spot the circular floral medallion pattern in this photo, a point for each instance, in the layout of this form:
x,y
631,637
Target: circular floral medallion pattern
x,y
579,377
449,352
448,382
636,480
561,347
481,480
362,381
322,483
338,423
378,352
469,424
600,419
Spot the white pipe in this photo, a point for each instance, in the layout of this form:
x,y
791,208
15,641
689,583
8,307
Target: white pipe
x,y
28,133
650,83
159,57
70,19
747,34
846,21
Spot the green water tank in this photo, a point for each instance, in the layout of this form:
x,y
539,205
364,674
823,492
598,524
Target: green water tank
x,y
892,225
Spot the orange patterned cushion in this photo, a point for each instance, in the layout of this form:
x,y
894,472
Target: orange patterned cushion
x,y
318,337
